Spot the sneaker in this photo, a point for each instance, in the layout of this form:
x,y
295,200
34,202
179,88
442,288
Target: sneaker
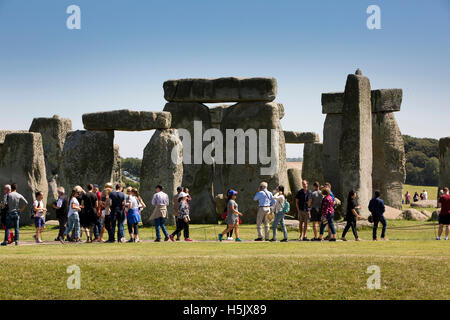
x,y
131,240
332,239
284,240
178,239
343,239
258,239
166,239
238,240
171,238
157,240
56,239
3,244
230,238
16,243
39,241
446,238
438,238
384,239
188,240
220,237
375,239
305,239
357,239
273,240
266,239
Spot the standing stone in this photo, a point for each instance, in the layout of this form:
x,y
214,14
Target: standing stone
x,y
197,175
312,169
89,157
245,178
295,184
332,131
444,163
355,157
389,171
22,162
161,165
53,131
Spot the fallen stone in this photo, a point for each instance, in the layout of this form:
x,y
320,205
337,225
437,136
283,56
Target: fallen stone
x,y
435,215
424,204
426,213
413,214
89,157
22,162
312,169
355,158
393,213
300,137
220,90
126,120
161,165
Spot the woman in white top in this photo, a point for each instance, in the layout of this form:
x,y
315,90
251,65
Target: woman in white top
x,y
134,203
39,216
73,215
280,202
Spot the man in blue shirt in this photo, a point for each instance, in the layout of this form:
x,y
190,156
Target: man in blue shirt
x,y
265,201
376,207
117,214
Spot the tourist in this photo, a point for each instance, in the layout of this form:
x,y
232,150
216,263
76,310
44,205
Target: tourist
x,y
183,217
281,208
327,215
351,215
98,221
188,198
39,212
266,201
13,201
106,210
62,207
4,212
316,209
134,203
160,200
73,222
407,198
88,215
233,215
175,207
377,208
425,194
416,197
117,214
421,196
303,203
444,215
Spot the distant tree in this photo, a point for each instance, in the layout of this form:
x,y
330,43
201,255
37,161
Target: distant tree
x,y
430,172
132,165
422,164
417,158
413,175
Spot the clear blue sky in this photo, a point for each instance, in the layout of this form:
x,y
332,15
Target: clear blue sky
x,y
127,49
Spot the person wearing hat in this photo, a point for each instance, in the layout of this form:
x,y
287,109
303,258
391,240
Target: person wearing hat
x,y
182,218
233,214
175,207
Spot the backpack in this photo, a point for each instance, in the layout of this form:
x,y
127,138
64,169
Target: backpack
x,y
286,207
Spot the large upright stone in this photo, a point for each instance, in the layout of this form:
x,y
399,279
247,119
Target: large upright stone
x,y
220,90
3,134
332,131
389,171
444,163
53,131
295,179
195,118
255,119
22,162
300,137
312,168
355,157
161,165
126,120
89,157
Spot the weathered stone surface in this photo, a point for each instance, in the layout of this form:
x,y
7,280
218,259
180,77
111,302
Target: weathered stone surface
x,y
22,162
126,120
386,100
355,158
197,175
220,90
444,163
88,157
393,213
161,165
281,110
220,201
413,214
295,179
245,178
300,137
435,215
3,134
312,169
389,161
424,204
332,102
332,131
53,131
383,100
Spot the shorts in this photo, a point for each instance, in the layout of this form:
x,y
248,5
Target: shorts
x,y
316,215
444,219
39,222
303,216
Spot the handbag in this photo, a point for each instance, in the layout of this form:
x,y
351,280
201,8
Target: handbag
x,y
370,218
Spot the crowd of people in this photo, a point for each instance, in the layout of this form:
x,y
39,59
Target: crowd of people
x,y
94,211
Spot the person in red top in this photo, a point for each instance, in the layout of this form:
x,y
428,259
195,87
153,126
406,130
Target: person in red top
x,y
444,216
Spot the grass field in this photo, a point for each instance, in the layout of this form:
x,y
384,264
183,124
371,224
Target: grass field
x,y
413,266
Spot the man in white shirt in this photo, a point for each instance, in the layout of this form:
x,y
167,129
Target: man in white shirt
x,y
160,201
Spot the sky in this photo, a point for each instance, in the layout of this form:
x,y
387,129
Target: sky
x,y
125,50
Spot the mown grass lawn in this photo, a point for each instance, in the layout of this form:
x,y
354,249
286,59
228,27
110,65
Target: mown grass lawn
x,y
413,266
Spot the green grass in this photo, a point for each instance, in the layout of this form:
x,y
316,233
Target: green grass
x,y
413,266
